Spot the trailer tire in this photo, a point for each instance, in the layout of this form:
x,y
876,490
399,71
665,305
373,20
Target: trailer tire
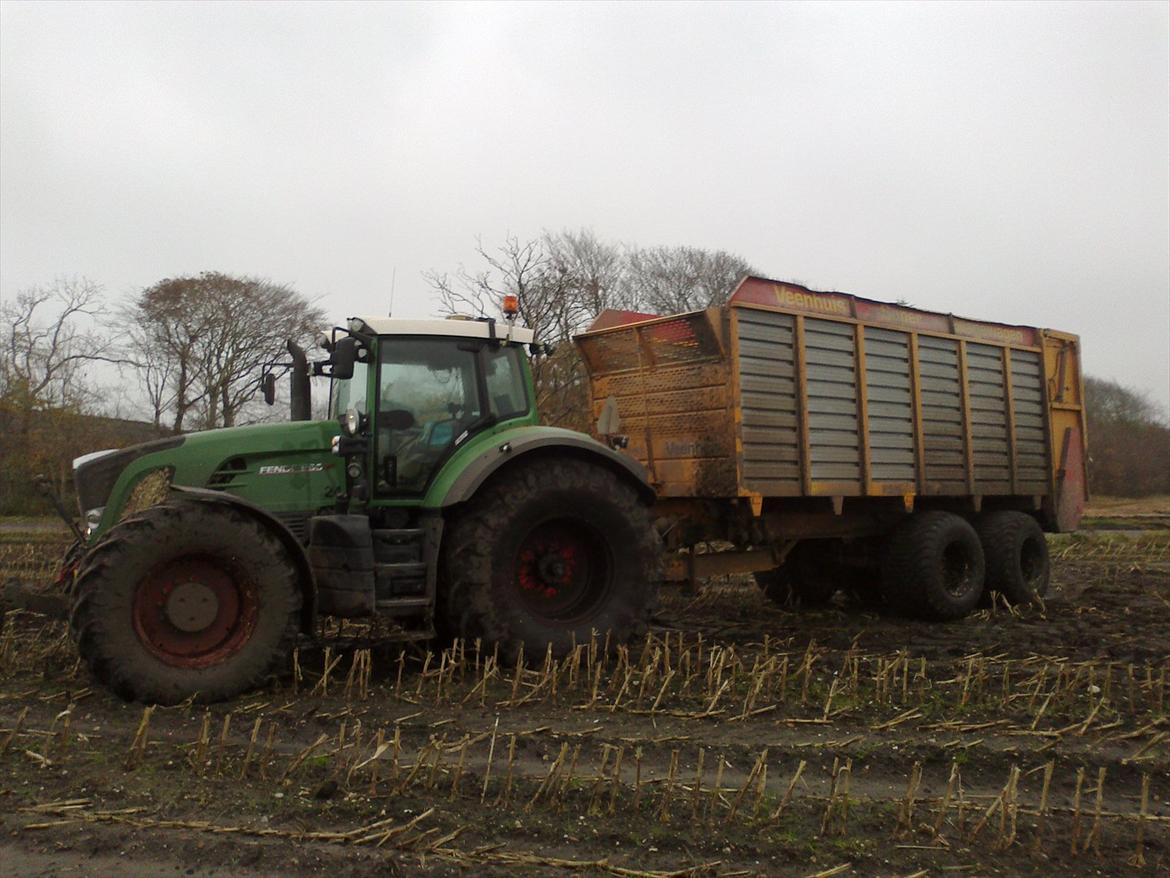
x,y
548,553
186,600
1016,552
934,566
809,576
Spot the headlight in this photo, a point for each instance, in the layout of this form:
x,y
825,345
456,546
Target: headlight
x,y
93,517
351,422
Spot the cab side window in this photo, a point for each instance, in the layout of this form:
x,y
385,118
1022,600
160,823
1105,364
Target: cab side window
x,y
507,394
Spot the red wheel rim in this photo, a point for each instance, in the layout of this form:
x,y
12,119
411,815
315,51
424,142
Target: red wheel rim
x,y
193,613
562,570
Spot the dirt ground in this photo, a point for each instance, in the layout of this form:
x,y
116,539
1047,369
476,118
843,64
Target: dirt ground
x,y
740,738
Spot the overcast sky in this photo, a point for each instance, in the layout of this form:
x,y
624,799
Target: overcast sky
x,y
1009,162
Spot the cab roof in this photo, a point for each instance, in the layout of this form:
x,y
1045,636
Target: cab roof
x,y
452,326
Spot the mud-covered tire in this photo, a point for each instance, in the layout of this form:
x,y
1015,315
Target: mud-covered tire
x,y
809,576
934,566
493,560
1016,553
128,639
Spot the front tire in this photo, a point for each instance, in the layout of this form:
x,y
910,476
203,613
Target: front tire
x,y
934,566
548,553
186,599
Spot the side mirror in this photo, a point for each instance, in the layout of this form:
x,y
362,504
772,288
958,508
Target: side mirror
x,y
343,358
268,387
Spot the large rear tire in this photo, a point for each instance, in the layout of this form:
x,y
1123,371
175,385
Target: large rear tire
x,y
548,553
1016,550
934,566
186,600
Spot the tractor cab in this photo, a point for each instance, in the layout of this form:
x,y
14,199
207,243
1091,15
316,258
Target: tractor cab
x,y
420,389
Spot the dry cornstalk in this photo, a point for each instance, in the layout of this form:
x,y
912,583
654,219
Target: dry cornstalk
x,y
251,747
1042,813
1138,860
617,780
696,794
380,747
138,745
789,791
906,811
487,772
266,756
20,718
1075,836
830,873
302,756
668,790
946,799
599,779
327,668
547,784
506,792
1094,838
747,784
459,770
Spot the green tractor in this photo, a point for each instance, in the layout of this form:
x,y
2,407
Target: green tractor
x,y
432,497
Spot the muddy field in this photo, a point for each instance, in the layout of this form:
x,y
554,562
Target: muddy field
x,y
738,739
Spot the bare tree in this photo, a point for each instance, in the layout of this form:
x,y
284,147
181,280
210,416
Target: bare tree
x,y
563,280
50,333
202,341
1129,441
671,280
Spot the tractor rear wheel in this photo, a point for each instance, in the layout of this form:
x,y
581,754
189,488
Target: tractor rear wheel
x,y
186,599
549,553
934,566
1016,553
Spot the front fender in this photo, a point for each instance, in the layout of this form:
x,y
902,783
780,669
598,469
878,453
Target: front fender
x,y
278,529
527,443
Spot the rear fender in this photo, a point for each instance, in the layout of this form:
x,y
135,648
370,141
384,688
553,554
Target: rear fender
x,y
533,443
277,528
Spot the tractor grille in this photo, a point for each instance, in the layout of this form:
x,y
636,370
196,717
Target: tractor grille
x,y
94,480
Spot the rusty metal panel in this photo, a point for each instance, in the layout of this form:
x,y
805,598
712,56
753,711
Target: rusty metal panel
x,y
944,463
891,408
834,438
769,421
990,443
1032,466
670,381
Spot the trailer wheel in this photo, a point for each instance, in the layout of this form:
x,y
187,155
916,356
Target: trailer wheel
x,y
549,553
1017,555
934,566
186,600
809,576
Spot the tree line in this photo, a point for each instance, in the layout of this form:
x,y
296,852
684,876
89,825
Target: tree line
x,y
189,351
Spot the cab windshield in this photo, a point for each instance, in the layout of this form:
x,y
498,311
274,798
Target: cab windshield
x,y
427,398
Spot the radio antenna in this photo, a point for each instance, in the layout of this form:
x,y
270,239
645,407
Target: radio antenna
x,y
393,278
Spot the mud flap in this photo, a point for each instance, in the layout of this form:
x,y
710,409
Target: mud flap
x,y
1070,481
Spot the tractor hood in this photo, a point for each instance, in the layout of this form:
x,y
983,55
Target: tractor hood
x,y
226,459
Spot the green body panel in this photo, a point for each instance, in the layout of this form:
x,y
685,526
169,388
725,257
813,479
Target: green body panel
x,y
290,468
305,476
487,444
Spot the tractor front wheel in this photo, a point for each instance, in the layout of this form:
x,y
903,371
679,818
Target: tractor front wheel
x,y
186,599
548,553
